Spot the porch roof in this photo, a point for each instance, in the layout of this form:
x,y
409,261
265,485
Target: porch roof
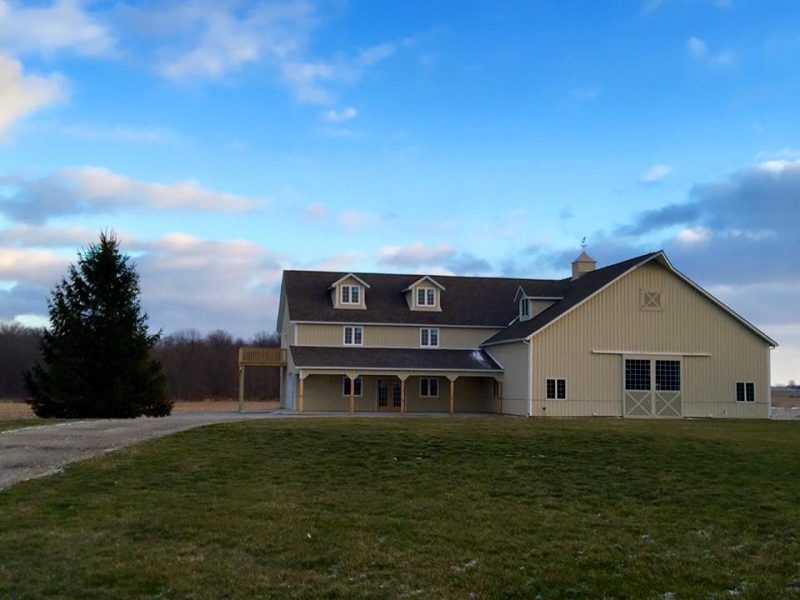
x,y
399,359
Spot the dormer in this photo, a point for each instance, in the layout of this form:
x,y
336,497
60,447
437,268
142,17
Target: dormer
x,y
349,292
424,294
530,306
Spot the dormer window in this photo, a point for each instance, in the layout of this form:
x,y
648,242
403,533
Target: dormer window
x,y
351,294
426,296
524,308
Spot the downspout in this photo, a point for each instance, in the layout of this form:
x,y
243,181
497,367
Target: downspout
x,y
530,376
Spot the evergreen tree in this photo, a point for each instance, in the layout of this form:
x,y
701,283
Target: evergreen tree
x,y
97,359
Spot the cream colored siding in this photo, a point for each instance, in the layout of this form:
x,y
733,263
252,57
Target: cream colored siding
x,y
538,306
323,393
613,321
380,336
514,360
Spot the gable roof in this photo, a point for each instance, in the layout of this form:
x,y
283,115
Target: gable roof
x,y
469,301
348,276
425,278
592,283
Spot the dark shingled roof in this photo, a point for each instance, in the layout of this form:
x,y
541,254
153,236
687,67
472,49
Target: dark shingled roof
x,y
310,357
575,292
466,301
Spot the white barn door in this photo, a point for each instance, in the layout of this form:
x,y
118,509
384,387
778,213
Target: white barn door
x,y
652,387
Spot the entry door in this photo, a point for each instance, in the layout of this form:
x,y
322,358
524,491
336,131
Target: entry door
x,y
652,388
388,395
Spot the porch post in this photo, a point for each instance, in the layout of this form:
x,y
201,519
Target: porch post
x,y
300,394
241,388
500,395
280,386
452,393
402,393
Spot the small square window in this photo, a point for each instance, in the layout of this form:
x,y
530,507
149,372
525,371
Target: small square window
x,y
429,387
350,294
745,391
556,389
426,296
429,337
353,336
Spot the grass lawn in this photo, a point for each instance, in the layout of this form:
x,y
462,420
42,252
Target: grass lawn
x,y
418,507
7,424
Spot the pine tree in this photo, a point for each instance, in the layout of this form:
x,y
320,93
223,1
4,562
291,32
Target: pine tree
x,y
97,353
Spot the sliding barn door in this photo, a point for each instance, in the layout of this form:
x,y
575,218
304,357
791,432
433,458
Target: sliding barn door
x,y
652,387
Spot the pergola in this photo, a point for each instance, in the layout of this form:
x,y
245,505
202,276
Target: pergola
x,y
260,357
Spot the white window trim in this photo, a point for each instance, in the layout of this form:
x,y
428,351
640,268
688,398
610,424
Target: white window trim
x,y
350,289
344,335
745,401
353,383
557,379
428,379
429,344
524,301
425,295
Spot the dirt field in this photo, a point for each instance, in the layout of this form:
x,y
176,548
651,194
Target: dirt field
x,y
20,410
785,398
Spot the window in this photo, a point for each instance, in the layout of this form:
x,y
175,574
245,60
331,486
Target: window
x,y
650,300
426,296
637,375
429,387
556,389
524,307
668,375
745,391
353,336
429,337
351,294
346,386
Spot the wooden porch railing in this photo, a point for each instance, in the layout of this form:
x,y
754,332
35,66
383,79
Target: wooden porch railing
x,y
262,357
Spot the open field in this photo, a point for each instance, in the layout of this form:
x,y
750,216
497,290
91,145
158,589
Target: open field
x,y
19,410
423,507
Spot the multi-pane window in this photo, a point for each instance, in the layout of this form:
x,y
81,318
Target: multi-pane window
x,y
556,389
745,391
524,307
668,375
347,382
351,294
426,296
429,337
353,335
429,387
637,374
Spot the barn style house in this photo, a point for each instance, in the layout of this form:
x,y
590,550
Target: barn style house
x,y
632,339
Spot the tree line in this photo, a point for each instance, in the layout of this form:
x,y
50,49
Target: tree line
x,y
196,366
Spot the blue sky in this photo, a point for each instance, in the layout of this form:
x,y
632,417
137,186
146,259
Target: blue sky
x,y
225,141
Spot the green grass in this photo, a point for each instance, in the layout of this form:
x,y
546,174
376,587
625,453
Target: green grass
x,y
7,424
430,508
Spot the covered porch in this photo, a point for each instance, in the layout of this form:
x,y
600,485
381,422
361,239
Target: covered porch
x,y
466,381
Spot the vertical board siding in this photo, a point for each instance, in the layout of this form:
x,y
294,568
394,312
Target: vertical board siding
x,y
613,321
380,336
513,358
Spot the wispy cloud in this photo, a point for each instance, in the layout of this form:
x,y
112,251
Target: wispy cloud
x,y
316,211
22,94
698,49
338,116
87,190
64,25
655,174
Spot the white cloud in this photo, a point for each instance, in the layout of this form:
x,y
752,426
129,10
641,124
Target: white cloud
x,y
316,211
21,94
63,25
121,133
353,220
694,235
779,166
417,254
97,190
699,50
375,54
655,173
337,116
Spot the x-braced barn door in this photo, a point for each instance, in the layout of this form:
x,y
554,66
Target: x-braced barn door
x,y
652,388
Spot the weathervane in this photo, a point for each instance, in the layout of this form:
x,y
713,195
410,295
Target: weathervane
x,y
583,242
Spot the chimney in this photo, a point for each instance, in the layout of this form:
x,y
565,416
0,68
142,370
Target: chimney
x,y
582,265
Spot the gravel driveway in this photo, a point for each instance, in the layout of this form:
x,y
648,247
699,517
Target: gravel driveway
x,y
44,449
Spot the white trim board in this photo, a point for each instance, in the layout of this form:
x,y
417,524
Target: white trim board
x,y
647,353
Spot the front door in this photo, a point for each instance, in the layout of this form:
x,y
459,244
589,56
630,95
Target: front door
x,y
652,388
389,395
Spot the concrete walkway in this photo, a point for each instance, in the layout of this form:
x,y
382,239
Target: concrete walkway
x,y
44,449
